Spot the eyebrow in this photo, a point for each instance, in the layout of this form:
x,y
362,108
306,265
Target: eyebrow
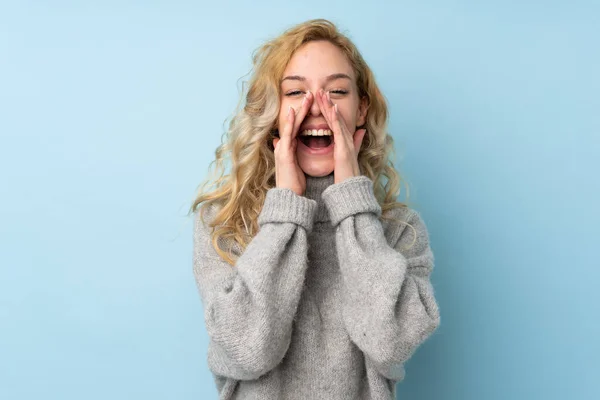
x,y
330,78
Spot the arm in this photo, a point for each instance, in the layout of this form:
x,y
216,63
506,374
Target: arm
x,y
249,307
389,304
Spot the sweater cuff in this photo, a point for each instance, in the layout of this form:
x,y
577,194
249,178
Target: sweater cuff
x,y
284,205
352,196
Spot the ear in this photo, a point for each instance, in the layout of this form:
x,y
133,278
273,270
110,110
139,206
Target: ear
x,y
361,116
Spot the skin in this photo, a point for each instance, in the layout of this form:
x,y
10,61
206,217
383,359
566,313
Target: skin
x,y
314,91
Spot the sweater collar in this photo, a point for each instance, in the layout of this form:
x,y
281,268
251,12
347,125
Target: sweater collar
x,y
314,188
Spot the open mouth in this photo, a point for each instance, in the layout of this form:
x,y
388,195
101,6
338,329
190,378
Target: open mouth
x,y
316,139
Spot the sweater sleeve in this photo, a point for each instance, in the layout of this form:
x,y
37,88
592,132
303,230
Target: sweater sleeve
x,y
249,307
389,307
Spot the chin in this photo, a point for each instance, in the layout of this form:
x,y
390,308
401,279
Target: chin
x,y
317,169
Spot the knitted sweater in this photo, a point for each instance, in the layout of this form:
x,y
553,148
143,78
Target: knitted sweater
x,y
326,301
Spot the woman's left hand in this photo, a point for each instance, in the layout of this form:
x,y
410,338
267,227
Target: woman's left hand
x,y
346,145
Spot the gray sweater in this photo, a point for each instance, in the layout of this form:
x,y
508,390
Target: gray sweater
x,y
326,302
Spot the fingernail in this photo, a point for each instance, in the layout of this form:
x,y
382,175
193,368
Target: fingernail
x,y
335,106
289,110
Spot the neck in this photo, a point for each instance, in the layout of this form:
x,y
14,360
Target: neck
x,y
315,185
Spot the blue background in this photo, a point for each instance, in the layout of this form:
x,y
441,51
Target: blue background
x,y
109,116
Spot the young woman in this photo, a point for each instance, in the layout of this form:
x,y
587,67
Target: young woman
x,y
315,281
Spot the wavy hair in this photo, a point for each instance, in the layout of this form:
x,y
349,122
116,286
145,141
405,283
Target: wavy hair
x,y
248,143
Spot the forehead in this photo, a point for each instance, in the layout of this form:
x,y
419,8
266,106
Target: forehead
x,y
317,59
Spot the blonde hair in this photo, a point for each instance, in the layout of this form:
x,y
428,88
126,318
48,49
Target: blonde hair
x,y
248,143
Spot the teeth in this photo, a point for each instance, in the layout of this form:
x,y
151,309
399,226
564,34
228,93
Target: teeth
x,y
315,132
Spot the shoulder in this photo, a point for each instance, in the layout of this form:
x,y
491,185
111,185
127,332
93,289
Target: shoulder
x,y
204,216
206,230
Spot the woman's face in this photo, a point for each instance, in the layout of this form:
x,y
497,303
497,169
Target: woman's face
x,y
314,66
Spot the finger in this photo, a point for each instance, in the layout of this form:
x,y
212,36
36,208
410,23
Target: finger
x,y
329,103
336,126
286,131
339,125
329,99
343,126
331,117
304,107
323,107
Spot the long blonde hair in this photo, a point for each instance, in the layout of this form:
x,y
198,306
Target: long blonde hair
x,y
248,143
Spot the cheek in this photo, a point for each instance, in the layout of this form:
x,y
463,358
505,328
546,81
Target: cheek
x,y
349,111
281,117
349,118
283,109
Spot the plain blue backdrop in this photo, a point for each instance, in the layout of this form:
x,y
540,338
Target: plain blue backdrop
x,y
110,113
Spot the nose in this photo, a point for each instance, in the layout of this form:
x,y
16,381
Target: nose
x,y
314,110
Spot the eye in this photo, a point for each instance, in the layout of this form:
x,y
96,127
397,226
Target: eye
x,y
339,92
294,93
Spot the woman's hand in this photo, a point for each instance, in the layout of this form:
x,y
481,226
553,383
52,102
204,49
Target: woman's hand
x,y
288,173
346,145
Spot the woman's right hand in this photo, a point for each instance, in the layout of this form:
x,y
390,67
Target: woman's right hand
x,y
288,173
